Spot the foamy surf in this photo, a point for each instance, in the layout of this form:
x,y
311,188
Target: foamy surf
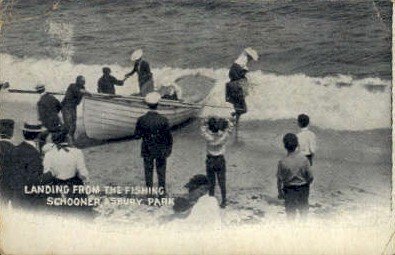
x,y
335,102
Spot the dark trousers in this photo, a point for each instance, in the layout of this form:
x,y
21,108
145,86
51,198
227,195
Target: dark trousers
x,y
160,170
310,158
70,119
296,198
216,167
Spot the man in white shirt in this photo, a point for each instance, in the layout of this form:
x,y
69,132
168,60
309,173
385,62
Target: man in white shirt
x,y
306,138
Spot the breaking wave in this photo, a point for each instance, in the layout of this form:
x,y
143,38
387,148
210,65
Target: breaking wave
x,y
335,102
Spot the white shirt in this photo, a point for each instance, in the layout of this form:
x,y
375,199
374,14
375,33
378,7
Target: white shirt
x,y
216,142
242,61
65,164
307,141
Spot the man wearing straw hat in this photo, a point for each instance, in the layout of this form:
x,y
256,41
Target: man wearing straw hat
x,y
142,68
157,142
236,90
27,165
6,149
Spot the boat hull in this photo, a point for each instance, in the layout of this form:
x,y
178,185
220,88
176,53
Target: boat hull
x,y
106,119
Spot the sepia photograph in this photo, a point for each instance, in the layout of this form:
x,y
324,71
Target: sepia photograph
x,y
196,127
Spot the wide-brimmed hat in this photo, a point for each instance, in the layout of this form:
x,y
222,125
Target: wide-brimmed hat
x,y
196,181
252,53
6,127
136,55
152,98
40,88
33,127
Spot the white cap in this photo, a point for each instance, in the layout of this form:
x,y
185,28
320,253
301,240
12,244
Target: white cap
x,y
137,54
152,98
252,53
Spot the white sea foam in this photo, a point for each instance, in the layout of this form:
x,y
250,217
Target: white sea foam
x,y
335,102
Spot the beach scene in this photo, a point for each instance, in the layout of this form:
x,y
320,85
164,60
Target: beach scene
x,y
328,59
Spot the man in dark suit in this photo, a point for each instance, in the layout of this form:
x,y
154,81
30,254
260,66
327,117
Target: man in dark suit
x,y
48,108
6,149
107,82
143,70
157,142
27,167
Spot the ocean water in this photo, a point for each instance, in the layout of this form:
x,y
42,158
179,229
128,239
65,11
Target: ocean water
x,y
330,59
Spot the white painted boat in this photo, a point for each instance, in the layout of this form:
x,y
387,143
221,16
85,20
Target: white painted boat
x,y
109,117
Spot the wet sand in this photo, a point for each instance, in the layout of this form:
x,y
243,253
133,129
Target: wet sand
x,y
352,169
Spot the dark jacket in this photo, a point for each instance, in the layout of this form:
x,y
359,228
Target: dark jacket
x,y
28,170
106,84
154,129
48,108
234,92
236,72
73,96
6,169
143,70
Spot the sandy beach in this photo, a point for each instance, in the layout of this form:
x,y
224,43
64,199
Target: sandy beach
x,y
352,169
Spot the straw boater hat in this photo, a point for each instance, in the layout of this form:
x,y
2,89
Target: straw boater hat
x,y
40,88
33,127
6,127
252,53
136,55
152,98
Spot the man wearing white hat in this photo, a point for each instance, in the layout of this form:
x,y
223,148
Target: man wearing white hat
x,y
157,143
235,91
27,165
142,68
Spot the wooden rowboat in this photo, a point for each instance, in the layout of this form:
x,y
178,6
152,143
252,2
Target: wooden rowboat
x,y
108,117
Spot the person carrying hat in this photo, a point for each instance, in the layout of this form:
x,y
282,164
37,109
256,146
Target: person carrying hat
x,y
236,88
27,166
71,100
107,82
142,68
6,167
157,142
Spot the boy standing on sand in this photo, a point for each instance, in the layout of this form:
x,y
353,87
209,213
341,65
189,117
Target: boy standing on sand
x,y
216,133
306,138
294,178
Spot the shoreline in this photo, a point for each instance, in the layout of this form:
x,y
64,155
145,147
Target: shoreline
x,y
352,169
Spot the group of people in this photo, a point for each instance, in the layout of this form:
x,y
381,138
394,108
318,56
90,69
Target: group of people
x,y
26,165
34,162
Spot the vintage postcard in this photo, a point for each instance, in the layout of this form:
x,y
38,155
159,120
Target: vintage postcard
x,y
196,127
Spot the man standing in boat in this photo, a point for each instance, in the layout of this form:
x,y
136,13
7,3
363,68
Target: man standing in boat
x,y
157,142
236,89
107,82
71,100
142,68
